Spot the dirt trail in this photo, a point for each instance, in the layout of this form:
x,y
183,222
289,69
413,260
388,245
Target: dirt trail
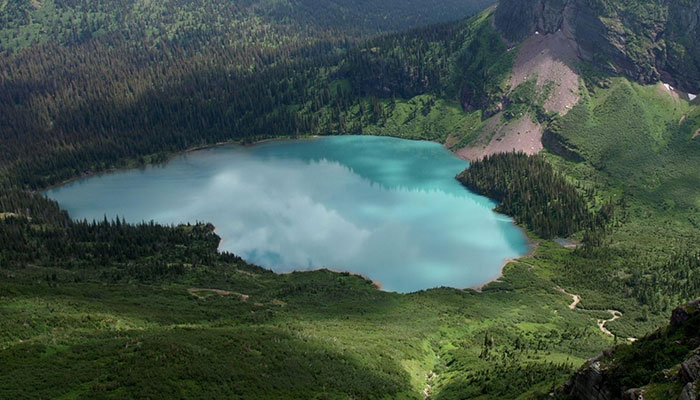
x,y
195,292
601,322
615,315
575,298
428,385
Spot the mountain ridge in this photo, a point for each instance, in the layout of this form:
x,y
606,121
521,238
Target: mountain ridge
x,y
646,41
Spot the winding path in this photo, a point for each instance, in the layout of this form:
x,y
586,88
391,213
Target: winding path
x,y
575,298
428,385
601,322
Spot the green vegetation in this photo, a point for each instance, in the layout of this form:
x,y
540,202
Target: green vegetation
x,y
527,100
527,188
138,104
653,365
107,309
637,143
115,310
24,23
424,117
642,135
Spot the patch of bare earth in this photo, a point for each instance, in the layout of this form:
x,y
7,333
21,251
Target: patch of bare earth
x,y
521,135
550,59
575,299
4,215
697,133
196,293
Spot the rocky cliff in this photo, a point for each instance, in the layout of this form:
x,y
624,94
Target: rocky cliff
x,y
663,365
646,40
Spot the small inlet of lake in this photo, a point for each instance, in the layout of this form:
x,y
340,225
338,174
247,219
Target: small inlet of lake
x,y
388,209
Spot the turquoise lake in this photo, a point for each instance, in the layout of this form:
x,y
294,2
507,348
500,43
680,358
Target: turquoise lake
x,y
386,208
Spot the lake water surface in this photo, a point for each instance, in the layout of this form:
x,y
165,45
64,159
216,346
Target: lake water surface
x,y
386,208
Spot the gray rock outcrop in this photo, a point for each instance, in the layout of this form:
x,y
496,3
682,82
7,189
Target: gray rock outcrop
x,y
690,369
599,378
683,313
661,42
690,392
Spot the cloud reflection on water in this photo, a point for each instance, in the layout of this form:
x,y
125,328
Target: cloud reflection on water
x,y
385,208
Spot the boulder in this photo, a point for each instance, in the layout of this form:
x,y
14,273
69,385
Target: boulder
x,y
589,383
690,392
633,394
690,369
683,313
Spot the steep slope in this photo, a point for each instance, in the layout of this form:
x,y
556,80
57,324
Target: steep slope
x,y
123,99
559,40
662,366
24,23
544,82
644,40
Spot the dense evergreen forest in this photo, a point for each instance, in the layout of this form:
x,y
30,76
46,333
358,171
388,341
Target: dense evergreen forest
x,y
528,188
35,231
208,73
88,86
257,22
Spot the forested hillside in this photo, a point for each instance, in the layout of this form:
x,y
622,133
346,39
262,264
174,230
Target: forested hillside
x,y
529,189
262,23
96,309
125,98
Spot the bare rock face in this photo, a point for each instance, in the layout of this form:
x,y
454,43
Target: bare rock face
x,y
518,19
690,369
682,60
660,42
589,382
690,392
633,394
683,313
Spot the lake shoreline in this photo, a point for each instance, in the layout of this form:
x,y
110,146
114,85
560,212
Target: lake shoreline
x,y
169,158
531,245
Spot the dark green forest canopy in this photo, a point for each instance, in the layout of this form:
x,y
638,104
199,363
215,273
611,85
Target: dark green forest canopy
x,y
528,188
132,105
263,23
88,86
